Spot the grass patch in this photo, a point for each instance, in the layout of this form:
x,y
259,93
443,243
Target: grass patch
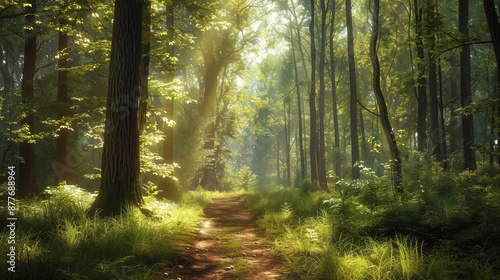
x,y
332,236
55,239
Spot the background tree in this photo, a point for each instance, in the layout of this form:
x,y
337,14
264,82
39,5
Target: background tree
x,y
354,98
465,88
28,186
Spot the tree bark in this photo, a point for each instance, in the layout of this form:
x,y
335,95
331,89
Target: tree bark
x,y
384,115
353,99
421,84
465,88
336,143
321,100
299,105
312,101
209,180
144,66
120,157
494,27
28,186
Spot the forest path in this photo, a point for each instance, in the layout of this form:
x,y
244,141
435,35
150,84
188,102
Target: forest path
x,y
227,246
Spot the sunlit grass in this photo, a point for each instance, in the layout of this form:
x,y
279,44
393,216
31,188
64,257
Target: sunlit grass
x,y
318,245
56,238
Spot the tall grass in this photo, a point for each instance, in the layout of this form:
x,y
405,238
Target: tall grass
x,y
57,240
310,232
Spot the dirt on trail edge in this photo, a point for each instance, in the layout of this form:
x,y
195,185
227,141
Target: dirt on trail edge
x,y
228,245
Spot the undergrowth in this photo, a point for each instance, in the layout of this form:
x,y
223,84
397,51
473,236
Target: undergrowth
x,y
55,238
445,226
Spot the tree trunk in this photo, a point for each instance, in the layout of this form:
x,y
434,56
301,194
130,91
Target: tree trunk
x,y
60,166
336,143
144,73
436,134
353,100
312,101
28,186
299,106
168,143
465,88
364,146
209,180
421,86
384,116
454,124
441,113
321,100
144,66
494,27
120,156
278,177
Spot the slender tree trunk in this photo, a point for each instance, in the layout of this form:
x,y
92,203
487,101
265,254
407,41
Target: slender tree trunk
x,y
364,147
120,155
384,116
336,143
168,144
465,88
278,177
287,145
299,107
312,102
321,100
421,86
454,124
441,112
435,131
60,165
28,186
353,100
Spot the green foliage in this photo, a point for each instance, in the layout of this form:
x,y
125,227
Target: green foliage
x,y
445,229
245,179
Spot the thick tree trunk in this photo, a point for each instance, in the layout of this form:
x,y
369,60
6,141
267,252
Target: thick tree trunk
x,y
312,102
384,116
336,143
144,73
465,88
321,100
494,27
60,166
353,100
120,155
28,186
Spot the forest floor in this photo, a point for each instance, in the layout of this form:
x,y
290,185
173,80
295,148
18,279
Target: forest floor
x,y
228,245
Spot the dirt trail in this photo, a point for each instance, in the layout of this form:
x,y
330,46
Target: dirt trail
x,y
227,246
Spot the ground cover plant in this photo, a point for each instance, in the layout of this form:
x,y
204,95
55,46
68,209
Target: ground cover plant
x,y
445,226
57,239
